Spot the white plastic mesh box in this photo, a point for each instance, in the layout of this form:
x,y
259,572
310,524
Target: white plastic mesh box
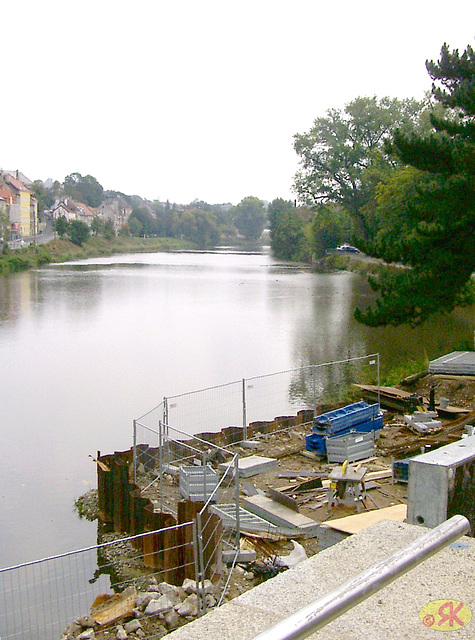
x,y
198,483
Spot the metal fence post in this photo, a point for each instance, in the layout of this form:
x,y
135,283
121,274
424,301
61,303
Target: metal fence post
x,y
236,495
314,378
244,409
160,461
200,573
135,451
379,381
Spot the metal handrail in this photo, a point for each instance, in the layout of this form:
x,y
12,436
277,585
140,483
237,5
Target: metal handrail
x,y
333,604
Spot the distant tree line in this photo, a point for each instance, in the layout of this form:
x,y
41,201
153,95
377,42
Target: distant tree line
x,y
203,224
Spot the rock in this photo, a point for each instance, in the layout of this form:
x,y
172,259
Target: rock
x,y
162,604
132,626
121,633
172,619
143,599
140,633
85,622
189,586
164,587
248,575
154,588
211,600
189,607
72,630
86,635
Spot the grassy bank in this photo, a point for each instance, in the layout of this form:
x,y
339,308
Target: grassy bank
x,y
62,251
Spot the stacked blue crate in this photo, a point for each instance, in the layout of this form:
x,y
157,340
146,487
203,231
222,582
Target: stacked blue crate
x,y
359,416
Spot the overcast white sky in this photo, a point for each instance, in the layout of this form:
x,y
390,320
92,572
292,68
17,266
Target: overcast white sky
x,y
189,99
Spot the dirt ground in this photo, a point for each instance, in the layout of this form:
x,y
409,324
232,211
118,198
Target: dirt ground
x,y
396,441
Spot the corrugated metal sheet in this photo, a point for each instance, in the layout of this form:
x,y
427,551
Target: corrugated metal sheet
x,y
456,363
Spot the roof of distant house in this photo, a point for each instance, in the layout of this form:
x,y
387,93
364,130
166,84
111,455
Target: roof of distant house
x,y
16,184
19,176
6,194
85,208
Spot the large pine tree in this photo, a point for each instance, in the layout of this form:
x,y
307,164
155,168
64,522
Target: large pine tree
x,y
432,227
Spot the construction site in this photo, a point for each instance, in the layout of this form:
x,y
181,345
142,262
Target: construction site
x,y
265,500
190,523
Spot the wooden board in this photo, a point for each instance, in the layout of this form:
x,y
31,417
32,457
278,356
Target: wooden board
x,y
360,521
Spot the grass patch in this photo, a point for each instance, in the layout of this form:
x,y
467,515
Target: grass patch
x,y
60,250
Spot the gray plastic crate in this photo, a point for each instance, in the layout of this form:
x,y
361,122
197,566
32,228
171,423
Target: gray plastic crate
x,y
352,446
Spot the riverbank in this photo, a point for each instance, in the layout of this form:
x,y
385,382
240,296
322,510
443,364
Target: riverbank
x,y
60,250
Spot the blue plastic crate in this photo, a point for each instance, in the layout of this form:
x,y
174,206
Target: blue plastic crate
x,y
315,441
344,418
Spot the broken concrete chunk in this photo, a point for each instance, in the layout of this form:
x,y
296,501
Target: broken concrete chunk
x,y
162,604
121,633
172,619
189,607
132,626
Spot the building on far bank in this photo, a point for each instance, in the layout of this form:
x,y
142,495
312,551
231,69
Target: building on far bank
x,y
117,209
20,204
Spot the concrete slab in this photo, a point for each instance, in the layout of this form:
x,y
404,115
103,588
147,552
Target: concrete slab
x,y
457,362
251,465
392,613
281,515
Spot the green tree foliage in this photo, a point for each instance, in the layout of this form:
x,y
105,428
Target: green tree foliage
x,y
61,226
142,222
341,147
108,230
287,235
78,232
44,196
249,217
331,226
83,189
97,226
199,227
428,207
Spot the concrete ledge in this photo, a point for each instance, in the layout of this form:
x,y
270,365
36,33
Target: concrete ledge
x,y
392,613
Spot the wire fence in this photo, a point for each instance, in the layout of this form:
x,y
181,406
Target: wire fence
x,y
40,599
242,402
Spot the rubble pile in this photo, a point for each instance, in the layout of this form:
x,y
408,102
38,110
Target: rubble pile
x,y
151,613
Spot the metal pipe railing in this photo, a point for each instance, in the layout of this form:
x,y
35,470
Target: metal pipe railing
x,y
325,609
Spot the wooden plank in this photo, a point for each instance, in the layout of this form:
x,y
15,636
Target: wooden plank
x,y
173,572
282,498
355,523
187,511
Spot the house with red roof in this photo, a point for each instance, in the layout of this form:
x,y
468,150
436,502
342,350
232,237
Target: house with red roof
x,y
21,203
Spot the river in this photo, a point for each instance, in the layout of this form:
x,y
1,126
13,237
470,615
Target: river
x,y
86,347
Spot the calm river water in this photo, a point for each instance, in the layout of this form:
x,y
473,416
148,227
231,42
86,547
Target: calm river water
x,y
87,347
